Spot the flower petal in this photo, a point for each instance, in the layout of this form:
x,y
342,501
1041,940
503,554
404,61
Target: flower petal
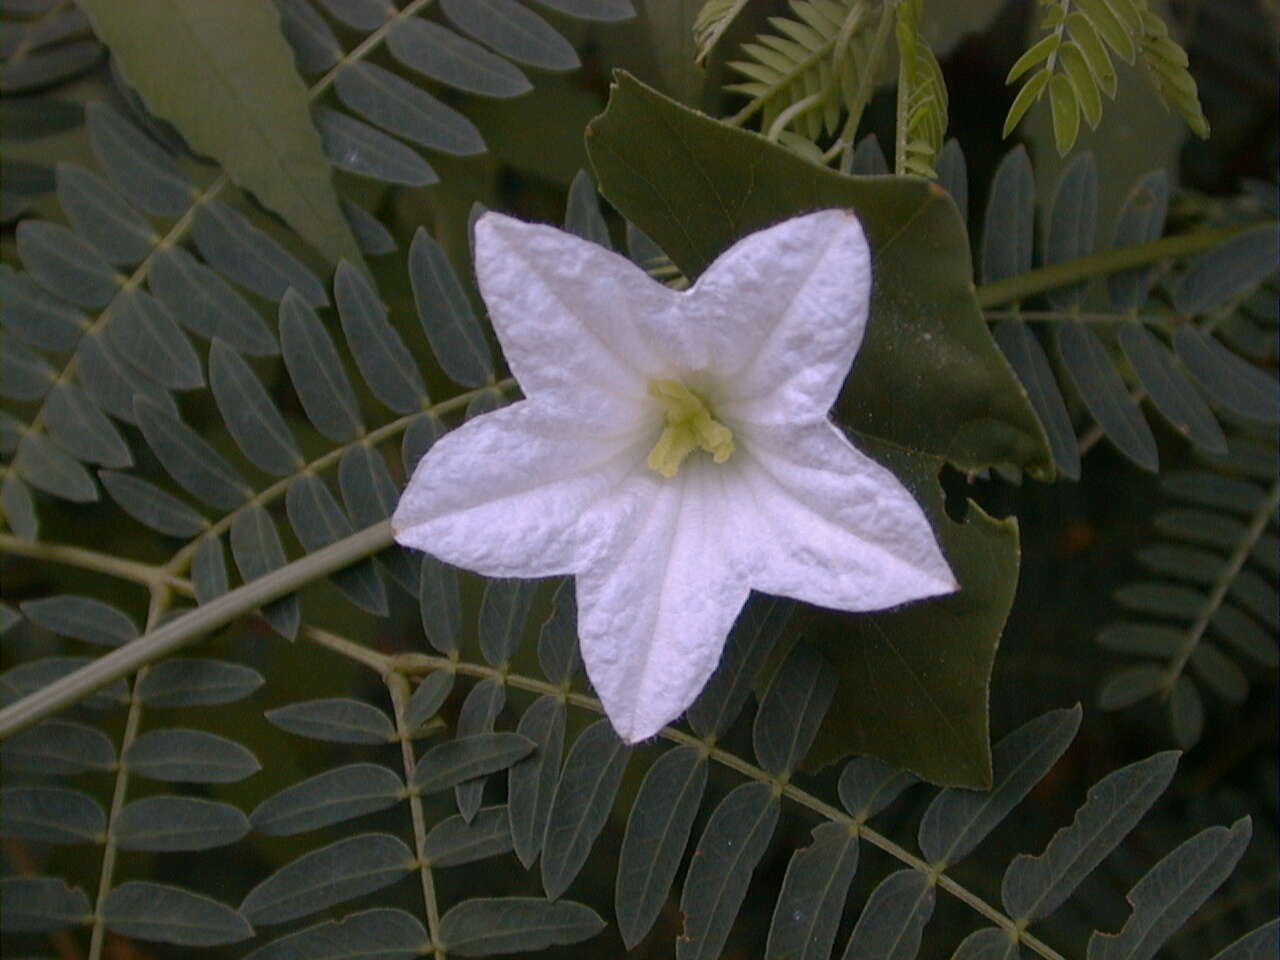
x,y
503,494
655,607
566,313
834,528
777,319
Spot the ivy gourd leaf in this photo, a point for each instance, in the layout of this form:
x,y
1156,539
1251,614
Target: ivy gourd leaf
x,y
653,160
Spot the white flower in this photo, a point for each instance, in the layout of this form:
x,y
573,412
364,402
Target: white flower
x,y
674,451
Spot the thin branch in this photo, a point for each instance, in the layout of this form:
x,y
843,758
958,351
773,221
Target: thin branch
x,y
398,688
181,560
1108,261
191,626
159,603
420,663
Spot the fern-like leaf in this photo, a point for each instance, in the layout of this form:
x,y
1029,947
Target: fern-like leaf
x,y
1072,62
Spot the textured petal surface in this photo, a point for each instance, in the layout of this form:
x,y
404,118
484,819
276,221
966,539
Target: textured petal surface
x,y
568,313
655,606
777,319
832,527
503,494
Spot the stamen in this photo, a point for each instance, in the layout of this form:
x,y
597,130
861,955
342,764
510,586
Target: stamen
x,y
690,426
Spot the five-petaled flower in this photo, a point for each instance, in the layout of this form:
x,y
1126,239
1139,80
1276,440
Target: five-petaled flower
x,y
673,452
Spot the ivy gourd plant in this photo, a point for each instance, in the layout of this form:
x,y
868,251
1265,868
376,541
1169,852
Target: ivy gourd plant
x,y
1002,690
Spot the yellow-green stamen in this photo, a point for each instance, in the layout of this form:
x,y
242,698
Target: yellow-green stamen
x,y
690,427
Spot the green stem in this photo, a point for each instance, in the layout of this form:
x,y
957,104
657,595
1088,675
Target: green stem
x,y
398,687
1108,261
159,603
422,663
843,147
191,626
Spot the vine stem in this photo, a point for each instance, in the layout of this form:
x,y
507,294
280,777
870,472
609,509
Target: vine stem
x,y
158,604
1222,584
191,626
421,663
398,688
399,665
1108,261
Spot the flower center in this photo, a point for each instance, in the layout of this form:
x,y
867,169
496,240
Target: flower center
x,y
690,426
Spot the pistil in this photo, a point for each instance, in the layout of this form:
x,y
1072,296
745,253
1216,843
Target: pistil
x,y
690,426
